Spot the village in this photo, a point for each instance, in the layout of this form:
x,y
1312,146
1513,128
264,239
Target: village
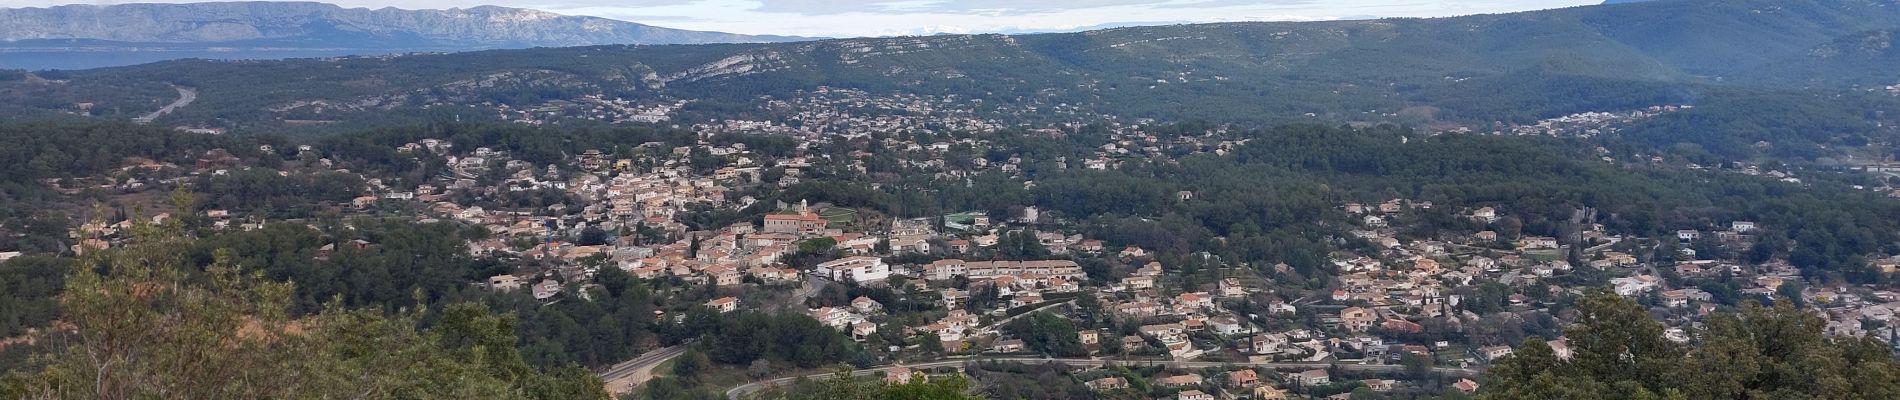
x,y
1393,300
1393,291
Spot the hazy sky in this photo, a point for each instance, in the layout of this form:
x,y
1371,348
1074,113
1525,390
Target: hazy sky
x,y
840,18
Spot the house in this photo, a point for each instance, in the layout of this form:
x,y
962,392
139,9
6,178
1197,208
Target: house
x,y
546,289
1138,309
835,317
1106,384
1493,353
1176,381
1242,378
1130,343
1486,214
1741,226
1008,346
1375,222
1138,282
1631,286
1537,242
1193,395
1560,347
1163,332
1466,385
726,276
1091,245
1195,299
1313,377
866,305
1379,385
1401,326
1264,392
897,375
504,283
1357,319
1485,236
951,297
863,330
1272,343
1232,289
724,304
1688,235
1224,325
1133,252
1675,298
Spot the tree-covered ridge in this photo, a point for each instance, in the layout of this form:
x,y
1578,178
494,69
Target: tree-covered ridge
x,y
1521,66
1267,197
147,322
1616,351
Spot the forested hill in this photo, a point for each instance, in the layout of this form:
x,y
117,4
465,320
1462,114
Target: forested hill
x,y
1507,67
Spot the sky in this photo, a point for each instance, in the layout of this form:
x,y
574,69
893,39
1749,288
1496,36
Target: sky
x,y
853,18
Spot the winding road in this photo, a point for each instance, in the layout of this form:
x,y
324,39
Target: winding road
x,y
750,388
1005,321
185,97
623,377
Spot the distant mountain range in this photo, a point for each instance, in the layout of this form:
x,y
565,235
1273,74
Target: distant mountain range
x,y
1472,70
79,36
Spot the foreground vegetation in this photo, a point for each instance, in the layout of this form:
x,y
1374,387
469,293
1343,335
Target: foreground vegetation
x,y
148,323
1761,352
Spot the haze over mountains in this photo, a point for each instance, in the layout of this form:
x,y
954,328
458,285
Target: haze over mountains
x,y
81,36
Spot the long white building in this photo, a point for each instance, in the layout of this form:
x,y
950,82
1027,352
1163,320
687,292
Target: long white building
x,y
855,269
947,269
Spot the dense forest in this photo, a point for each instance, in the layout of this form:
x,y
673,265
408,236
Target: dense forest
x,y
1266,199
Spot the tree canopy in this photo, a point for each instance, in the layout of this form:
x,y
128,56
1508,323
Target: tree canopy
x,y
1760,352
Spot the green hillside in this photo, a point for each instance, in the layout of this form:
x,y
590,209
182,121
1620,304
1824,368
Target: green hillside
x,y
1508,67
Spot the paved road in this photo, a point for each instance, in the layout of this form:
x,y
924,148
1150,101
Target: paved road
x,y
185,97
1005,321
1600,247
749,388
622,377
